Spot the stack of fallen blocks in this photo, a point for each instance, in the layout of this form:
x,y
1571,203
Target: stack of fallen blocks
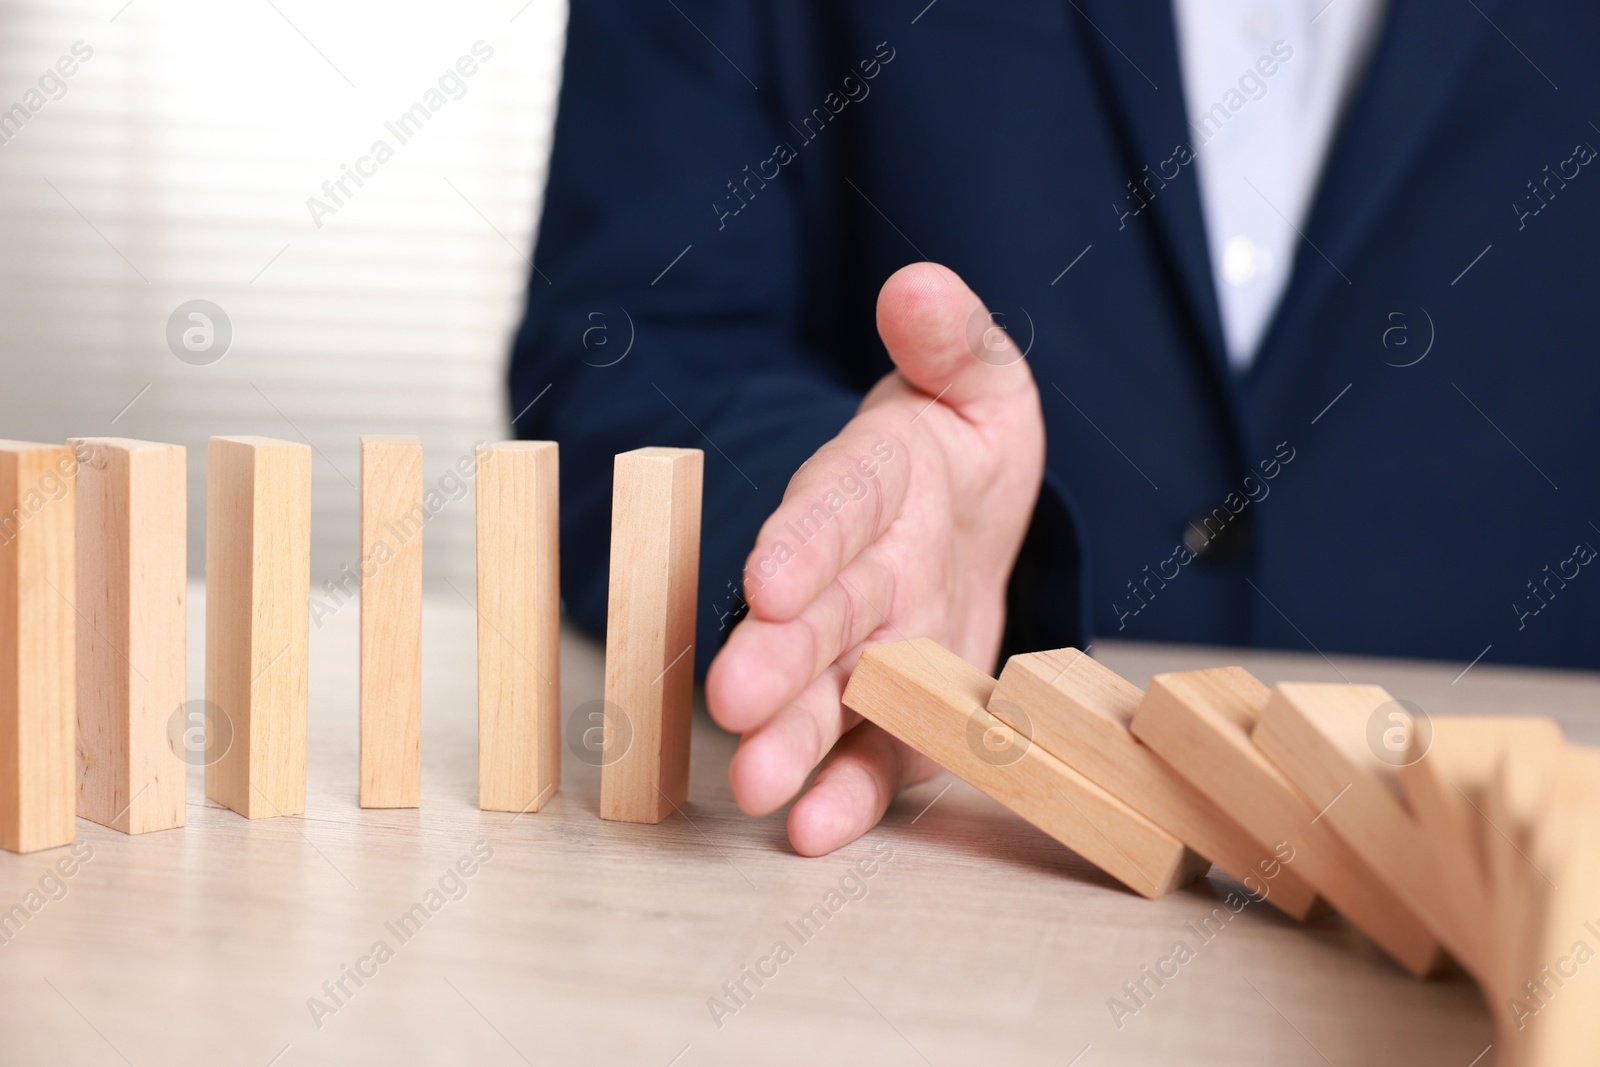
x,y
1472,838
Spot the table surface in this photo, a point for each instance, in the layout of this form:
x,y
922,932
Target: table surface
x,y
976,939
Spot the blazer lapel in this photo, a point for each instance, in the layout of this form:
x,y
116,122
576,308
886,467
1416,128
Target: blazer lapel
x,y
1422,53
1135,48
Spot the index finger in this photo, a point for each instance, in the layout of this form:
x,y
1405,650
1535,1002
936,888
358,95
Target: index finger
x,y
839,502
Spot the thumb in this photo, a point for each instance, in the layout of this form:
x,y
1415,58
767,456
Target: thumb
x,y
943,339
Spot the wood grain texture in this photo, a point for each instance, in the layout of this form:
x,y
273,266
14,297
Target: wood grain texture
x,y
1447,782
650,630
519,626
1518,800
392,517
1562,1024
1321,736
258,591
1081,712
936,702
1200,722
132,538
983,941
37,646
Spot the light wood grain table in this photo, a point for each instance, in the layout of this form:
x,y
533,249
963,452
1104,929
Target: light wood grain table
x,y
975,940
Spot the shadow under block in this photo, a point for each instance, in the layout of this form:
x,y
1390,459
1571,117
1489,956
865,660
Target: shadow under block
x,y
1080,711
936,702
1317,734
392,517
519,626
1561,1014
258,592
1200,723
650,616
1446,781
37,646
132,573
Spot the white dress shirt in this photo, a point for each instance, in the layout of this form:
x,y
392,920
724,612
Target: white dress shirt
x,y
1265,83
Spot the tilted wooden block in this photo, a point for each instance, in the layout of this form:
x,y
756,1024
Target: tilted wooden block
x,y
258,592
1517,803
1446,780
1080,712
1559,1017
650,621
132,583
392,517
1200,723
936,702
37,646
1326,739
519,626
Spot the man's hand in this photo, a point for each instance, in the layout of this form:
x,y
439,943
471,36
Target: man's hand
x,y
926,552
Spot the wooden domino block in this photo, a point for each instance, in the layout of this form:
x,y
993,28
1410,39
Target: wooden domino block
x,y
1080,712
1321,737
37,646
258,591
392,517
1559,1014
1446,781
1200,723
936,702
519,626
132,584
650,617
1517,803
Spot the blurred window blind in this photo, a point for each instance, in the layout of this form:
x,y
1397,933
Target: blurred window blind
x,y
175,163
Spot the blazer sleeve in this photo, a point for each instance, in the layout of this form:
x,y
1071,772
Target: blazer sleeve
x,y
654,316
680,291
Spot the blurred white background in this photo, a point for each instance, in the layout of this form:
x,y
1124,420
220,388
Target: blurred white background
x,y
175,164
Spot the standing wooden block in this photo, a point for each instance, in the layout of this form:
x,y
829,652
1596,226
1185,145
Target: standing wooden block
x,y
519,626
392,517
936,702
1081,712
1560,1009
655,566
1322,737
132,583
1200,723
37,646
1447,783
258,592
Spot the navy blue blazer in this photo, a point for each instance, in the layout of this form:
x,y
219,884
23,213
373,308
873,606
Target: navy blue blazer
x,y
1409,467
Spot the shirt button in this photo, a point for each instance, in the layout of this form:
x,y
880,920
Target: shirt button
x,y
1243,261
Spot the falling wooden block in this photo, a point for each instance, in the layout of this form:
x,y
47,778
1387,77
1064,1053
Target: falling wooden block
x,y
132,534
392,517
1446,779
1559,1017
519,626
1080,711
1517,803
655,566
936,702
37,646
1326,738
258,591
1200,723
